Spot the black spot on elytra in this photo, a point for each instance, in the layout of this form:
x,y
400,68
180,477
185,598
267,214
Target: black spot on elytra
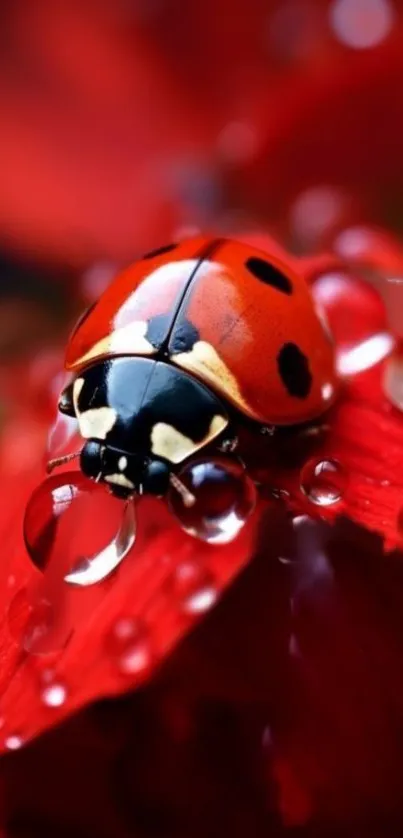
x,y
184,337
158,329
160,251
268,274
295,374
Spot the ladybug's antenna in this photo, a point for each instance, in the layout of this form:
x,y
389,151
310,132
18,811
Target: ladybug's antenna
x,y
60,461
187,497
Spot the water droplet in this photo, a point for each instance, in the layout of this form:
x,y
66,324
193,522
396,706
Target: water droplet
x,y
194,587
53,692
357,319
69,520
13,742
217,500
128,643
361,25
32,624
323,481
200,601
393,379
365,355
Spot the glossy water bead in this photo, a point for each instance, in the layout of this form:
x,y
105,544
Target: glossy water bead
x,y
78,526
323,481
218,499
129,646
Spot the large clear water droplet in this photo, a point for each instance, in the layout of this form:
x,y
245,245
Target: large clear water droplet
x,y
221,497
77,528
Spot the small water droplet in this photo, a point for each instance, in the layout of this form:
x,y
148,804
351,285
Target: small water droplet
x,y
200,601
323,481
13,742
53,692
194,587
128,644
32,623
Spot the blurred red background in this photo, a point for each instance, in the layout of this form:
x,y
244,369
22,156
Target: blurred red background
x,y
125,124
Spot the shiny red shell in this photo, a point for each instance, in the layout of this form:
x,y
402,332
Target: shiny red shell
x,y
237,318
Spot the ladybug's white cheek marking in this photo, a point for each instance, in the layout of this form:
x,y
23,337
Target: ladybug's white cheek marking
x,y
129,339
119,480
172,445
97,422
204,361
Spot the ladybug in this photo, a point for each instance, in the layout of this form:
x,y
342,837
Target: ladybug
x,y
184,346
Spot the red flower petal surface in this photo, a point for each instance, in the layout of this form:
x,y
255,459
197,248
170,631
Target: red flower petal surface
x,y
117,633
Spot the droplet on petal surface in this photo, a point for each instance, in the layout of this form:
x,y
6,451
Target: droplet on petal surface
x,y
193,587
53,694
129,646
323,481
33,623
13,742
357,320
78,528
221,499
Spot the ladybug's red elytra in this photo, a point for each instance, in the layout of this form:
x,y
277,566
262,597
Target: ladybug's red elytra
x,y
186,344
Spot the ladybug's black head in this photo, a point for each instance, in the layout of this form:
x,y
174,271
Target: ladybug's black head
x,y
125,473
140,419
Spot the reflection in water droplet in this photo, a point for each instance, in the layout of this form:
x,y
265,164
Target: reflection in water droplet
x,y
95,569
13,742
54,694
352,360
323,481
69,520
193,587
223,499
200,601
128,644
393,379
